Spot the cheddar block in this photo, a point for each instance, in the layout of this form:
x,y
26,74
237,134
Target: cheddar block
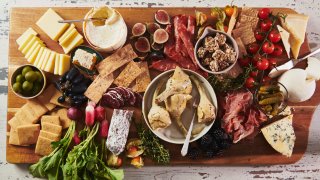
x,y
69,37
45,59
43,146
28,134
13,137
78,40
49,135
31,59
25,43
25,35
29,44
45,97
53,128
39,55
70,28
50,25
64,63
56,64
64,120
49,67
50,119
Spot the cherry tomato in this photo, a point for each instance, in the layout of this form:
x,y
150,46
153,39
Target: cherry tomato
x,y
254,73
229,10
268,47
266,25
259,35
262,64
244,62
225,28
250,82
266,79
264,13
274,36
278,49
253,48
272,63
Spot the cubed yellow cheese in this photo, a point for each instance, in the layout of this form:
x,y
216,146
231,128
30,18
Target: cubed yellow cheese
x,y
68,39
64,63
56,64
25,43
50,25
31,59
32,48
39,55
49,67
25,35
71,27
74,43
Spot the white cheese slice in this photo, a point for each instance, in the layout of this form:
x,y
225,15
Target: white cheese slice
x,y
69,37
48,23
29,45
313,69
31,59
64,63
56,64
25,43
74,43
39,55
296,24
43,58
32,48
285,39
280,135
49,67
70,28
25,35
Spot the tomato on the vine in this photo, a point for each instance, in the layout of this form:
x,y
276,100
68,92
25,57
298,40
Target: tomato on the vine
x,y
266,79
250,82
229,10
268,47
259,35
264,13
278,49
254,73
274,36
253,48
266,25
262,64
244,62
272,63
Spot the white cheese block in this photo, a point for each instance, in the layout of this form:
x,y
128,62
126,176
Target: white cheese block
x,y
296,24
64,63
39,55
69,37
48,23
25,35
31,59
78,40
313,69
280,135
49,67
25,43
285,39
70,28
56,64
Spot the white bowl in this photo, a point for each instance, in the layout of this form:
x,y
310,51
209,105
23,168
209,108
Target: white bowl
x,y
172,134
207,32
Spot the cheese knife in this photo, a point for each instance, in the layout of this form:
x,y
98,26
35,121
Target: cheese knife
x,y
82,20
275,72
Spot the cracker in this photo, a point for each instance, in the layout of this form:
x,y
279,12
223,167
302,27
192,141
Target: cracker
x,y
54,99
128,75
116,60
242,48
62,114
98,87
51,128
38,109
15,122
28,134
49,135
245,33
43,146
50,119
143,80
45,97
13,137
245,20
249,12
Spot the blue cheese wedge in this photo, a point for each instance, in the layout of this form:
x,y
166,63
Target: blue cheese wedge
x,y
280,135
84,59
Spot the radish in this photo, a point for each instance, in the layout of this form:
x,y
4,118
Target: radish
x,y
76,138
90,115
74,113
104,129
100,113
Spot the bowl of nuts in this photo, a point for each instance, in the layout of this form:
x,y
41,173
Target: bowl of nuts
x,y
216,52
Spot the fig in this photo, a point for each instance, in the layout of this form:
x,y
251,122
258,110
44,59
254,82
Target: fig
x,y
142,44
152,27
156,46
162,17
138,29
160,36
156,55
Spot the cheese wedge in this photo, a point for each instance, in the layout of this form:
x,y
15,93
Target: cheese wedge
x,y
45,59
70,28
64,63
39,55
69,37
280,135
31,59
25,43
76,41
50,25
285,39
25,35
49,67
296,25
56,64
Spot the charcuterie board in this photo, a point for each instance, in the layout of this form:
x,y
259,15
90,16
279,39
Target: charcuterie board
x,y
246,152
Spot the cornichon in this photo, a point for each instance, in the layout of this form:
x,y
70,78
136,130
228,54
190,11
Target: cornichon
x,y
271,100
269,88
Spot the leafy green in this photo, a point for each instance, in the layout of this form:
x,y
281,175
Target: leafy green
x,y
50,166
83,161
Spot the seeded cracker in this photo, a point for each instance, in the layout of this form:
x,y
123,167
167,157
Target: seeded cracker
x,y
143,80
128,75
98,87
245,33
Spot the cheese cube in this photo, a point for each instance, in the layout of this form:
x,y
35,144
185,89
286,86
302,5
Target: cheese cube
x,y
56,64
28,134
71,27
25,35
64,63
39,55
73,43
49,135
50,25
53,128
49,67
31,59
25,43
43,146
45,59
50,119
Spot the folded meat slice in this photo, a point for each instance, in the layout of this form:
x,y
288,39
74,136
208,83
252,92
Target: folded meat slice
x,y
191,25
163,65
179,20
187,41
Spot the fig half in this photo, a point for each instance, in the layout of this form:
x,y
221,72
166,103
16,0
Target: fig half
x,y
162,17
152,27
160,36
142,45
138,29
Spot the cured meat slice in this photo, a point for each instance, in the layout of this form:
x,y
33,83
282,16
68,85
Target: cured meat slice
x,y
191,25
139,97
186,39
125,93
163,65
118,96
132,99
178,41
110,101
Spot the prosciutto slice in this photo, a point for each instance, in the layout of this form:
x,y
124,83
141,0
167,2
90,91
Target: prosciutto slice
x,y
187,41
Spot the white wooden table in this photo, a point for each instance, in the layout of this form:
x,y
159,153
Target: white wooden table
x,y
307,168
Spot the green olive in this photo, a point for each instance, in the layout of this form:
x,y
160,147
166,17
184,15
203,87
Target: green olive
x,y
17,87
27,86
20,78
36,88
39,76
25,70
31,76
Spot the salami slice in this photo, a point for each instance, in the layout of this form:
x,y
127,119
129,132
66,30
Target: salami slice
x,y
138,99
132,99
110,101
118,96
126,94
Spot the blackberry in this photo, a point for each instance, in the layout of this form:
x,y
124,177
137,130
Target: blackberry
x,y
214,146
206,141
224,144
219,134
194,153
210,153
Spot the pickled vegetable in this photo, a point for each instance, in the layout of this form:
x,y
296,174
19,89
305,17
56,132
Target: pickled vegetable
x,y
17,87
31,76
25,70
20,78
27,86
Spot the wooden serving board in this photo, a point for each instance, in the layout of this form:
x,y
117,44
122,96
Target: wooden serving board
x,y
246,152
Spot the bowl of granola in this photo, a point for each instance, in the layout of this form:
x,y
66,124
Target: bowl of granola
x,y
216,52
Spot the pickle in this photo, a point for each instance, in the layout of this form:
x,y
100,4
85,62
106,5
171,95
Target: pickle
x,y
275,109
278,94
271,100
270,88
267,108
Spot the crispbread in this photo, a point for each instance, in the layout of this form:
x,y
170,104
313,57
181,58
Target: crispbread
x,y
116,60
54,99
245,33
43,146
51,128
242,48
128,75
143,80
28,134
49,135
245,20
50,119
249,12
62,114
45,97
98,87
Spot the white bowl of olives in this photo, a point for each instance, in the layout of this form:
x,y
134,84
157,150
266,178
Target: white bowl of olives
x,y
28,81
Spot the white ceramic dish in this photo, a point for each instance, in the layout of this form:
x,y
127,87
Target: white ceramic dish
x,y
207,32
172,134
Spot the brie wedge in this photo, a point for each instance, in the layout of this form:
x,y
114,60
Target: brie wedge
x,y
313,68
